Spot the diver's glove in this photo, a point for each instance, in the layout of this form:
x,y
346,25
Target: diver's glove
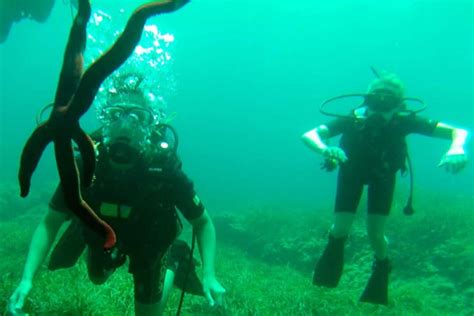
x,y
454,160
333,157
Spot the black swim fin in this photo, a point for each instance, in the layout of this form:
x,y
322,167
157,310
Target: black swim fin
x,y
376,290
190,283
328,270
180,260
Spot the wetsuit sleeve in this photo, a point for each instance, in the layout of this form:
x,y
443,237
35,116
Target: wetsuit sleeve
x,y
420,125
185,197
338,126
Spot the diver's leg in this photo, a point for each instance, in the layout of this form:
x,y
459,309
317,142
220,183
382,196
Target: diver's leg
x,y
73,61
167,287
376,290
349,190
380,196
376,233
329,267
148,279
342,224
152,309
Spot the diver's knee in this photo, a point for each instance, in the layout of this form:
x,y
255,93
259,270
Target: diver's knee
x,y
148,287
147,303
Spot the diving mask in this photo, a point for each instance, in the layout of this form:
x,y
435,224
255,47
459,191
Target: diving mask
x,y
127,131
381,101
140,115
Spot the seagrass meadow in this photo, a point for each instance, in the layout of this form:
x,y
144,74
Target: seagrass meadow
x,y
265,259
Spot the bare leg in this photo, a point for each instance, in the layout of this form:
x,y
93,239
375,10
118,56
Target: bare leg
x,y
376,290
376,233
167,287
342,224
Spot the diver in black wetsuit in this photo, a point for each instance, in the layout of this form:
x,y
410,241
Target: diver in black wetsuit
x,y
372,149
139,188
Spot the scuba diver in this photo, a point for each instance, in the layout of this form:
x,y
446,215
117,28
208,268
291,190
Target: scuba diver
x,y
12,11
138,188
371,150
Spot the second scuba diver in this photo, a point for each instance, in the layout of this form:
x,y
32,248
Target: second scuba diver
x,y
372,149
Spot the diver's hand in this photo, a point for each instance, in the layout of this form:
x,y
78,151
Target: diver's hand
x,y
333,157
213,291
454,160
17,300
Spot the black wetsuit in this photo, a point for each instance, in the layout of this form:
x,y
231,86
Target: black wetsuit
x,y
140,205
375,153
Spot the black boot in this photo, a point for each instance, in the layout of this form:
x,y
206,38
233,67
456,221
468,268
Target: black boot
x,y
376,290
328,270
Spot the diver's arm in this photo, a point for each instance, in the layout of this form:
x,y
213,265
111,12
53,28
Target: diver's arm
x,y
333,156
458,136
206,238
314,138
455,158
40,244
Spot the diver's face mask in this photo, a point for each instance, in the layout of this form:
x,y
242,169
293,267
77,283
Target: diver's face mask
x,y
127,131
382,101
121,112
